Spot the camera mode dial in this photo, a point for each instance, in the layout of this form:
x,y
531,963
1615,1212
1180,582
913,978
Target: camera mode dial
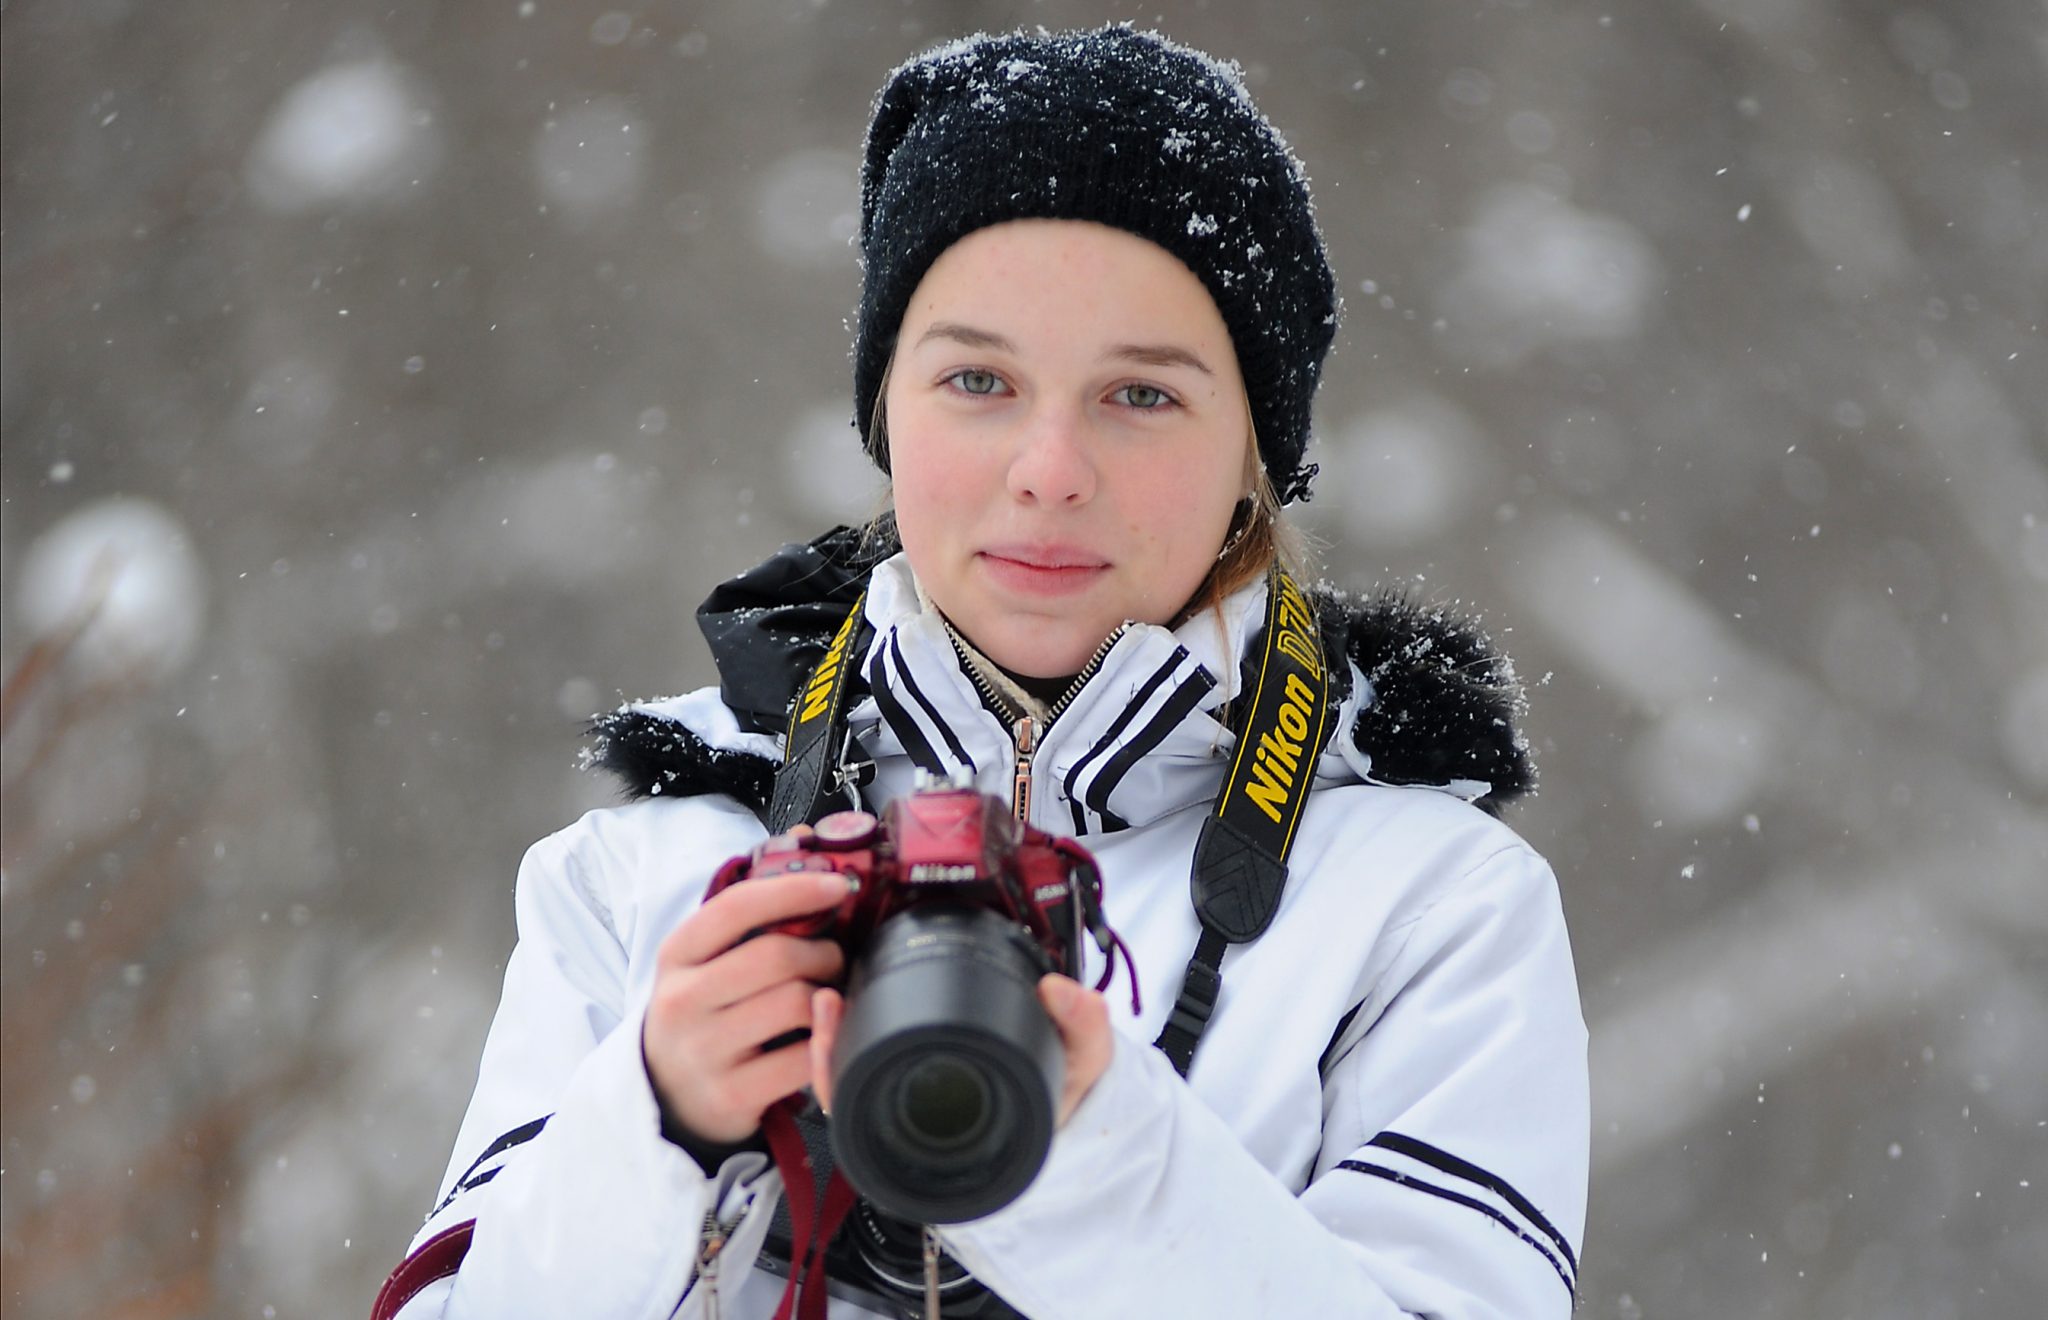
x,y
844,831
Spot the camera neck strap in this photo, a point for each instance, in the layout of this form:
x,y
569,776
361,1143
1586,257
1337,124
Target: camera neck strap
x,y
810,777
1240,866
811,773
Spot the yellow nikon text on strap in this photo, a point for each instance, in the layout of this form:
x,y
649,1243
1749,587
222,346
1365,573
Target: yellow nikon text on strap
x,y
811,774
817,698
1289,710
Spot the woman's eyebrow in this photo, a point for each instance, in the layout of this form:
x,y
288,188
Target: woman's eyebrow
x,y
1151,355
1159,355
966,334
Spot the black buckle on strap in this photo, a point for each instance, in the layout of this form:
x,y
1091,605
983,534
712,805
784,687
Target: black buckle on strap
x,y
1198,991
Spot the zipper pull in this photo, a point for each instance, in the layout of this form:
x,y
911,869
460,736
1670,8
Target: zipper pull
x,y
931,1273
1026,734
710,1242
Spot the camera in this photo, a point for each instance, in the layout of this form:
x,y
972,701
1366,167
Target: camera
x,y
947,1070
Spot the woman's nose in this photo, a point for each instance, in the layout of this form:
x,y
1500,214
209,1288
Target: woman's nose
x,y
1051,465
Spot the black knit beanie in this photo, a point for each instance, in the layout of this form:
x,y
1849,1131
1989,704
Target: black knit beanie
x,y
1120,127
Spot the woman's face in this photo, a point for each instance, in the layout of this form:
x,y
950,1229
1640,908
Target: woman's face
x,y
1068,435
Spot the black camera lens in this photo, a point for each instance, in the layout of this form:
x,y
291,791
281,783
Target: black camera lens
x,y
946,1067
943,1103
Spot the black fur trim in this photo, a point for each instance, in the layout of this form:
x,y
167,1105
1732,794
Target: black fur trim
x,y
657,757
1446,704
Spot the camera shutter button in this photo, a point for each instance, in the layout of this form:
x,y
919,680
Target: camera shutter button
x,y
843,831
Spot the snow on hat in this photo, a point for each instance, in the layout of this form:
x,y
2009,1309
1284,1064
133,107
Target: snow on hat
x,y
1124,128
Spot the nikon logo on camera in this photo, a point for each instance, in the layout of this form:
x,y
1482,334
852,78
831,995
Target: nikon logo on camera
x,y
951,873
1285,728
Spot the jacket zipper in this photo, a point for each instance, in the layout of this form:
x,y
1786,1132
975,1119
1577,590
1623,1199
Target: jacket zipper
x,y
709,1243
1025,731
1087,672
1026,734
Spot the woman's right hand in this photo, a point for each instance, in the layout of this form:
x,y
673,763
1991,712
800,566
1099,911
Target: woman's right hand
x,y
718,997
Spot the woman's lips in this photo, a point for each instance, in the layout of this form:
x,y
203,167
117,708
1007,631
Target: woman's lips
x,y
1054,571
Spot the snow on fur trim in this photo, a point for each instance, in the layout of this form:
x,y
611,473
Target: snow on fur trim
x,y
1445,704
656,756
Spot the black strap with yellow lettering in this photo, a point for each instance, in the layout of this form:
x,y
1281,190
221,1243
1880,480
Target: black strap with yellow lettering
x,y
1240,863
811,772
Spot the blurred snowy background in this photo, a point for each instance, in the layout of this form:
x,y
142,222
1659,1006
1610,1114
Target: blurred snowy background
x,y
385,384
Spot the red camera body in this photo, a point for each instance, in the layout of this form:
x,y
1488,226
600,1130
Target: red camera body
x,y
938,844
946,1069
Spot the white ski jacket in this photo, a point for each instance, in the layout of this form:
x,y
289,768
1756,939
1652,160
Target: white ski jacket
x,y
1387,1116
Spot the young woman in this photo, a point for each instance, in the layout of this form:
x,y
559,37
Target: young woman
x,y
1095,310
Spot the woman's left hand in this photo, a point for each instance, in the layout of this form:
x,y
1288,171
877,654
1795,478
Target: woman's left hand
x,y
1080,1015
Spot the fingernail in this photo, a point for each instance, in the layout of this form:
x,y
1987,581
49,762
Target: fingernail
x,y
1059,993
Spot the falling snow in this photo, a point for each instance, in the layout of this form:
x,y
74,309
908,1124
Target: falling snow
x,y
380,400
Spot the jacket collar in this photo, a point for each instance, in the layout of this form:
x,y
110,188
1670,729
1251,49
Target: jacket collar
x,y
1006,697
1422,699
1139,738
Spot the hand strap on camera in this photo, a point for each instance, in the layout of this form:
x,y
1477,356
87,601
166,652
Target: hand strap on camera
x,y
811,773
1240,866
812,1226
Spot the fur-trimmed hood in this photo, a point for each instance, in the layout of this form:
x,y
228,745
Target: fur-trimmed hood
x,y
1440,706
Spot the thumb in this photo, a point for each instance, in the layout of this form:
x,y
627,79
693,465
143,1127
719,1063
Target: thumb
x,y
1082,1019
826,1009
1060,994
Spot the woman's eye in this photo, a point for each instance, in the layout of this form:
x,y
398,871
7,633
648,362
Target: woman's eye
x,y
977,382
1144,397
